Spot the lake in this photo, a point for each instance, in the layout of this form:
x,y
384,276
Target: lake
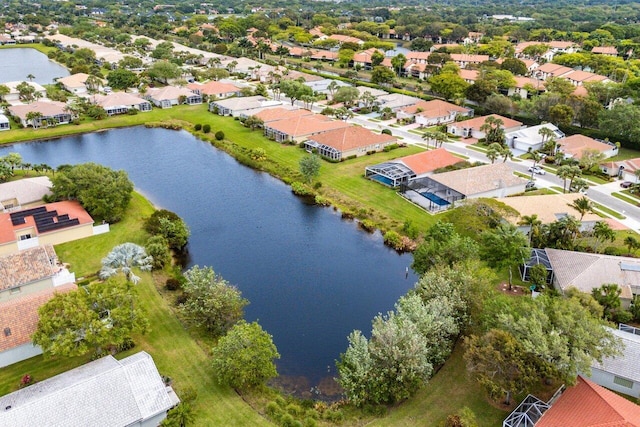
x,y
17,63
310,276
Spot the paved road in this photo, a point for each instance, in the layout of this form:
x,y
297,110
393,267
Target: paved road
x,y
598,193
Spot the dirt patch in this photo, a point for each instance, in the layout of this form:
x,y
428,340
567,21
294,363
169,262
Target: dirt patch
x,y
515,290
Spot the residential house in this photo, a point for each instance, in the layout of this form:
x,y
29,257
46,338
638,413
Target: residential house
x,y
621,373
324,55
321,86
317,32
31,271
396,101
298,129
578,78
6,39
121,103
24,193
530,139
575,146
219,90
168,96
363,58
340,144
526,87
19,320
555,47
471,128
587,271
469,76
346,39
418,70
605,50
4,123
465,60
404,169
473,38
238,107
13,97
587,404
440,191
104,392
549,69
627,170
76,83
418,57
53,223
273,114
50,113
434,112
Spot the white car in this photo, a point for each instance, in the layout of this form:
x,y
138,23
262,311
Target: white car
x,y
537,170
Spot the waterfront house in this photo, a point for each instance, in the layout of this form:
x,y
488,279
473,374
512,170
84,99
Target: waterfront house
x,y
339,144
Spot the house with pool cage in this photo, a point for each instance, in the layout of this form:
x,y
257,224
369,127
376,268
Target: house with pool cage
x,y
404,169
440,191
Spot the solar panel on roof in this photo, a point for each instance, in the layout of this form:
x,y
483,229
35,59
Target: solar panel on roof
x,y
629,267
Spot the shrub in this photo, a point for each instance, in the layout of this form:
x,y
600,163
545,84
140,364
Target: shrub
x,y
173,284
26,380
206,128
300,189
393,239
317,185
219,135
386,131
198,127
322,201
158,247
132,111
367,225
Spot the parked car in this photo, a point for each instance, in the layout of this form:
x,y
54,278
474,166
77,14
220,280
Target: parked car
x,y
530,185
626,184
537,170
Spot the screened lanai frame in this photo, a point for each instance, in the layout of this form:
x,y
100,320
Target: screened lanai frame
x,y
538,256
527,414
423,191
392,174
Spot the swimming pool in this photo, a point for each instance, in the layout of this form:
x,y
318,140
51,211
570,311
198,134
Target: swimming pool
x,y
435,199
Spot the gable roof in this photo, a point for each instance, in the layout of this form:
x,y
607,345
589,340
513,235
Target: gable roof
x,y
479,179
465,57
26,190
46,108
553,69
75,80
477,122
434,108
306,125
627,364
586,271
575,145
105,392
629,165
352,137
27,266
117,99
428,161
605,50
588,405
20,316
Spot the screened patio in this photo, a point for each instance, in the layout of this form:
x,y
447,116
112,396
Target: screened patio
x,y
527,413
538,256
430,194
390,173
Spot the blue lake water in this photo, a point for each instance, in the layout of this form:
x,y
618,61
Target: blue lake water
x,y
17,63
310,276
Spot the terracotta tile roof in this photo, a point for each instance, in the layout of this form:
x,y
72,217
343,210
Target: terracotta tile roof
x,y
75,80
584,76
46,108
576,144
269,115
479,179
588,405
71,208
29,265
214,88
433,108
417,56
630,165
605,50
464,57
352,137
521,82
470,75
553,69
548,207
21,316
477,122
345,39
428,161
365,55
324,54
306,125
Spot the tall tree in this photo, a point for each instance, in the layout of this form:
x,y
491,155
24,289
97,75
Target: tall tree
x,y
583,205
310,167
504,247
244,357
602,232
94,317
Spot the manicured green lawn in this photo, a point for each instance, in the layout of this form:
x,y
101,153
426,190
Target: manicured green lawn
x,y
445,394
174,351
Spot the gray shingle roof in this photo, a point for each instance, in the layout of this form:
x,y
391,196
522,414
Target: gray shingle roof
x,y
105,392
626,365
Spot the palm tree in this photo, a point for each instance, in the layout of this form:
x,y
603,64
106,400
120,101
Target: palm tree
x,y
438,138
631,243
534,225
34,117
567,172
506,153
602,232
125,257
30,77
332,88
583,205
493,151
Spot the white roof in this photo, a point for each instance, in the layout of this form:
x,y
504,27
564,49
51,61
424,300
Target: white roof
x,y
105,392
246,103
626,365
13,86
531,135
27,190
3,119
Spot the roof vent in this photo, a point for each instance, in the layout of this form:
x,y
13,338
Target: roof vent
x,y
7,408
7,332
